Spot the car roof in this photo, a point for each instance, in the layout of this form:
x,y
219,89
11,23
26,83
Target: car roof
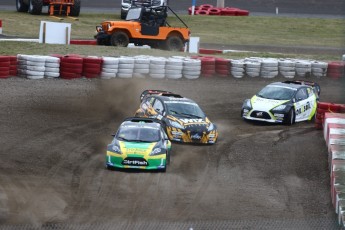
x,y
141,124
173,97
290,85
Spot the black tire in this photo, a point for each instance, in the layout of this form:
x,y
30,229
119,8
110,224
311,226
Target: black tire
x,y
35,7
119,38
174,43
21,6
290,120
168,159
75,9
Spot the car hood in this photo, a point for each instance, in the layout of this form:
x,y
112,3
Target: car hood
x,y
265,104
187,121
139,148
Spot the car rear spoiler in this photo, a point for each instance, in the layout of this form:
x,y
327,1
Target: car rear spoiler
x,y
303,82
153,92
142,119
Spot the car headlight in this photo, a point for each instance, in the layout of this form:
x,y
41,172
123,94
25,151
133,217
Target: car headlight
x,y
247,104
210,127
157,151
117,149
176,125
279,108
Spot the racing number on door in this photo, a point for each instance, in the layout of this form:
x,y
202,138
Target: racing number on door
x,y
303,108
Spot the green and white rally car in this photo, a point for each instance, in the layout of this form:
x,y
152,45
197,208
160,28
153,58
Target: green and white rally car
x,y
283,102
139,143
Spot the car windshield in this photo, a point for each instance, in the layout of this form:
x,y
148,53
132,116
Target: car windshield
x,y
184,108
138,134
277,92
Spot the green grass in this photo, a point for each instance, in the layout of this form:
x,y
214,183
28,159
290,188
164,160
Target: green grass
x,y
252,30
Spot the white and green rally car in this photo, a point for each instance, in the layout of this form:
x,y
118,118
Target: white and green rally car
x,y
139,143
283,102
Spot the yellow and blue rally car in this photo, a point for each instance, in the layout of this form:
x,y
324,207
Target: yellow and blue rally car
x,y
283,102
182,118
139,143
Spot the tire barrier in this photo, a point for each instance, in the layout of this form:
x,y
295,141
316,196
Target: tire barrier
x,y
126,67
5,62
76,66
207,9
31,66
173,68
92,67
52,67
13,65
334,135
191,68
71,67
141,66
323,108
157,68
336,69
110,67
222,67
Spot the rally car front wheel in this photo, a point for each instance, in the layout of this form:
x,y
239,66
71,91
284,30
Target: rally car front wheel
x,y
290,119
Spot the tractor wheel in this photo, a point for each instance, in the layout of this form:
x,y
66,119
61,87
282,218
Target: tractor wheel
x,y
174,43
21,6
35,7
119,38
75,9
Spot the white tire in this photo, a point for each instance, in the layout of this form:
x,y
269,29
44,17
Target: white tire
x,y
303,64
250,69
237,69
321,65
157,75
286,63
157,61
142,71
141,66
34,73
269,74
253,74
254,65
174,67
191,68
191,76
125,71
35,77
139,75
174,76
126,66
191,72
154,66
269,68
53,70
108,70
172,72
142,61
319,75
125,75
110,61
35,63
238,64
110,66
36,68
269,62
52,65
51,74
126,60
287,73
50,59
105,75
157,71
192,62
287,68
237,75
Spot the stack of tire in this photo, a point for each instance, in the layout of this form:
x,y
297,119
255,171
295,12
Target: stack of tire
x,y
287,68
141,66
207,9
319,69
71,67
252,67
110,67
238,68
126,67
326,107
269,68
336,69
31,66
303,68
223,67
208,66
13,65
191,68
52,67
157,67
173,68
5,62
92,67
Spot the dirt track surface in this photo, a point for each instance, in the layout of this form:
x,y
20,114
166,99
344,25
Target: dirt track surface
x,y
53,141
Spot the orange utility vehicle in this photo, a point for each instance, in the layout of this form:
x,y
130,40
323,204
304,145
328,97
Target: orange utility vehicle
x,y
144,25
66,7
